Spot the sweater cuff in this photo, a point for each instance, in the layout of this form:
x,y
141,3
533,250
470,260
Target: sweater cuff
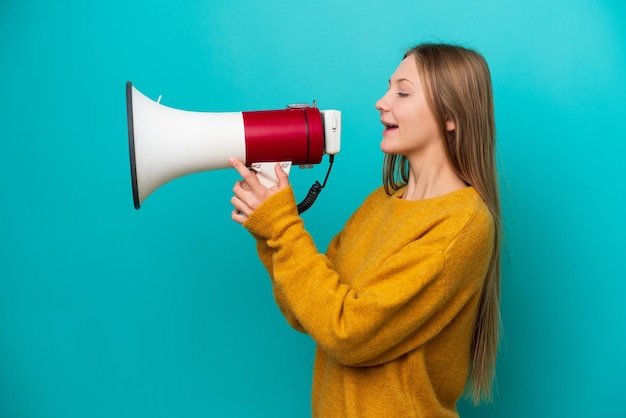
x,y
267,220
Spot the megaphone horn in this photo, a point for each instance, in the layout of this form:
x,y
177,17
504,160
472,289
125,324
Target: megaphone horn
x,y
167,143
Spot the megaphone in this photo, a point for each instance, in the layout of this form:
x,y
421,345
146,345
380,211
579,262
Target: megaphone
x,y
167,143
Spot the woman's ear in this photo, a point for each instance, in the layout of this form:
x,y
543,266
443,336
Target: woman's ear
x,y
450,125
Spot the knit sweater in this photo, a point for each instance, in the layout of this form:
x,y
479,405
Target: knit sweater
x,y
391,305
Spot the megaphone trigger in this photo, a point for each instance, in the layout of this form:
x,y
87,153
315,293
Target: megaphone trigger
x,y
266,174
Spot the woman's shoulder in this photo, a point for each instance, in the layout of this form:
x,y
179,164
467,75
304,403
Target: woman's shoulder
x,y
471,218
453,212
456,217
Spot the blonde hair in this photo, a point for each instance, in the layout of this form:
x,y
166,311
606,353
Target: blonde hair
x,y
458,88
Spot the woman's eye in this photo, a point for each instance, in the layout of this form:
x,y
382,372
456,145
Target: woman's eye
x,y
400,94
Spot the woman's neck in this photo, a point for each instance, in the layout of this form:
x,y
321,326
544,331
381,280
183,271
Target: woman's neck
x,y
431,177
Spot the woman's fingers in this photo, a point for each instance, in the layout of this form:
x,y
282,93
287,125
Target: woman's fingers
x,y
249,193
248,176
282,176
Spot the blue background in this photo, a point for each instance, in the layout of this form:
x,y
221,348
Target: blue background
x,y
106,311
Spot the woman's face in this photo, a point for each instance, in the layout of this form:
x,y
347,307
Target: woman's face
x,y
410,128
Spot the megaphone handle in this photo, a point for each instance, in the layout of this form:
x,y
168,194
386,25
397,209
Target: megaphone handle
x,y
267,175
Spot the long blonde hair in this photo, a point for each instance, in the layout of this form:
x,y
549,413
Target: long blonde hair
x,y
458,88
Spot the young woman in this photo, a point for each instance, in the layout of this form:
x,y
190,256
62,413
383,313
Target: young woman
x,y
404,305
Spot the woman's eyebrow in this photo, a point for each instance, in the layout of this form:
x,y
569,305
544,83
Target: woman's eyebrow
x,y
400,80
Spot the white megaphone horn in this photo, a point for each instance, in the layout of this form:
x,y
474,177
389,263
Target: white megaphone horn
x,y
167,143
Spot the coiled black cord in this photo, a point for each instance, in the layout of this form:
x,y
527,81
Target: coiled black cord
x,y
315,190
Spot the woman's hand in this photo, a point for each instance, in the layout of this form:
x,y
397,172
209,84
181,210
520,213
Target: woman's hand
x,y
250,193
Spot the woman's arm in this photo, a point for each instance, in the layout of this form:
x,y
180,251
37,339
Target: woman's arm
x,y
406,300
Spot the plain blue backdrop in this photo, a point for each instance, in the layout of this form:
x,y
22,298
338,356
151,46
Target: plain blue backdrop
x,y
106,311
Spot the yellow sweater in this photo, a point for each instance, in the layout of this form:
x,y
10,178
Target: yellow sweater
x,y
392,304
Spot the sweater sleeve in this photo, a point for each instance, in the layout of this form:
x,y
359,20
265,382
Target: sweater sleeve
x,y
407,300
265,255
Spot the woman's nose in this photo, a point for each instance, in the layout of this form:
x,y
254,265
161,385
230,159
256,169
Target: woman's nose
x,y
380,104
